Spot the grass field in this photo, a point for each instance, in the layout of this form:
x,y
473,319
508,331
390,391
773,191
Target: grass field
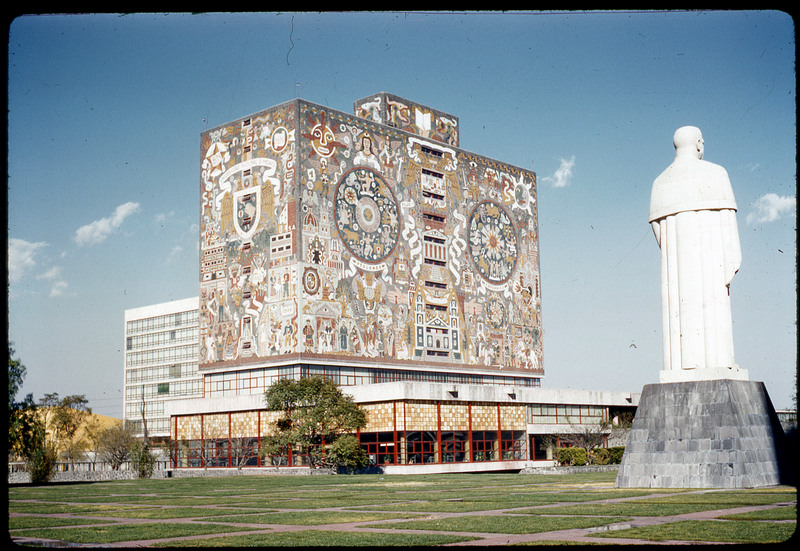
x,y
383,510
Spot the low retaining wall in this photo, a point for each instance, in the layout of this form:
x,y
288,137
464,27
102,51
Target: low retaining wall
x,y
99,476
570,470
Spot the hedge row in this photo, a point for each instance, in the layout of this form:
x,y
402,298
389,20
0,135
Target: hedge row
x,y
599,456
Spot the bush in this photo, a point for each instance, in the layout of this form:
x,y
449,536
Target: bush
x,y
347,452
571,456
608,456
41,463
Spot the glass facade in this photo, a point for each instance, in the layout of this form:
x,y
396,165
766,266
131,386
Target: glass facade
x,y
256,381
398,446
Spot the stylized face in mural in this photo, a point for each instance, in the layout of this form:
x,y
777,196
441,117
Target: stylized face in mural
x,y
366,215
492,242
322,139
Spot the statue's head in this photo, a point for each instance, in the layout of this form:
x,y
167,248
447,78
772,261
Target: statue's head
x,y
688,140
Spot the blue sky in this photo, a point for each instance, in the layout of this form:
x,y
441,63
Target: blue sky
x,y
106,111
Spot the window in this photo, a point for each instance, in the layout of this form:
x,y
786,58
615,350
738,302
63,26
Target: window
x,y
433,217
163,388
430,151
454,447
484,445
435,285
420,447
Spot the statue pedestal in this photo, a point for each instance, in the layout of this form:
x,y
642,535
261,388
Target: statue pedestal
x,y
721,433
687,375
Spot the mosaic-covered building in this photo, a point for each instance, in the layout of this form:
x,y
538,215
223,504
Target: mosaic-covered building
x,y
371,249
369,243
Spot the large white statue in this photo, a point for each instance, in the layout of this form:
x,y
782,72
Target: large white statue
x,y
693,216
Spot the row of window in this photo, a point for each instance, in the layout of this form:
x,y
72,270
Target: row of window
x,y
177,319
255,381
548,414
190,387
158,425
384,448
172,354
167,371
171,336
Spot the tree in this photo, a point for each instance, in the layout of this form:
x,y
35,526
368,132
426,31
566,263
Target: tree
x,y
142,459
68,417
47,407
24,424
26,427
42,461
16,374
242,450
315,414
114,444
587,436
591,435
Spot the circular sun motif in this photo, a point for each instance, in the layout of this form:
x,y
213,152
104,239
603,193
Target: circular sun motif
x,y
492,242
366,215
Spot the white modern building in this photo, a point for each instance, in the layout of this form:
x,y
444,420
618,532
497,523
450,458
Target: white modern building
x,y
160,363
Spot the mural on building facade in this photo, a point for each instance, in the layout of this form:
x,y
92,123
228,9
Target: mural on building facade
x,y
326,235
405,115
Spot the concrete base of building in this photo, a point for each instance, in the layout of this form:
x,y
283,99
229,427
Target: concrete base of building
x,y
704,434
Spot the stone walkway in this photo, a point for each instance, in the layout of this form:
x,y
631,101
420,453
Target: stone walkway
x,y
484,539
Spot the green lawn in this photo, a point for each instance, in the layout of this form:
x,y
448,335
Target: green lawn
x,y
383,510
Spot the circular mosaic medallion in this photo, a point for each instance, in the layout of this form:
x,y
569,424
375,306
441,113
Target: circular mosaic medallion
x,y
366,215
311,282
492,242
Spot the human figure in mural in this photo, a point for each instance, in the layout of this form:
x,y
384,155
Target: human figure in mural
x,y
366,154
308,331
693,217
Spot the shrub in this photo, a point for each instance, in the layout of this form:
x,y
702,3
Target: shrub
x,y
347,452
608,456
571,456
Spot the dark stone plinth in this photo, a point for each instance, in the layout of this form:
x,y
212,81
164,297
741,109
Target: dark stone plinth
x,y
704,434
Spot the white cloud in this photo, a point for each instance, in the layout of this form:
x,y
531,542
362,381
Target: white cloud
x,y
21,257
52,273
162,217
175,252
57,285
770,207
58,288
563,175
99,230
